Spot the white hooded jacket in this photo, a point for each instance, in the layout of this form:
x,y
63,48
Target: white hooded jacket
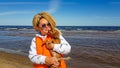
x,y
62,48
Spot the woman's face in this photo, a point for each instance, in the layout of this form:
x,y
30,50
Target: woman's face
x,y
44,26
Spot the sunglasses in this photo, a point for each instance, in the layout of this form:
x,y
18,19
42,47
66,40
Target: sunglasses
x,y
45,25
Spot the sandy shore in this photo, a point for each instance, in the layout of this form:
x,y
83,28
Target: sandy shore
x,y
8,60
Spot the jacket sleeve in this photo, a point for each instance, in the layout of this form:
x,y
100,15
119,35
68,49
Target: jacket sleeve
x,y
62,48
34,57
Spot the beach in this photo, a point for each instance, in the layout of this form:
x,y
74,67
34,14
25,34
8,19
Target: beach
x,y
90,49
10,60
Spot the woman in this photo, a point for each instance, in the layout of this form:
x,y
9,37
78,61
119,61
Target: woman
x,y
39,52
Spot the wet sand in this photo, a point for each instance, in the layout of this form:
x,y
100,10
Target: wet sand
x,y
86,52
9,60
81,58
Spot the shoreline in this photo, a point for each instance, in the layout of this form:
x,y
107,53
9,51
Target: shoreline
x,y
11,60
15,60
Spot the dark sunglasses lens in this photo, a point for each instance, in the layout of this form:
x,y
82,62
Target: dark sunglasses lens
x,y
48,24
44,25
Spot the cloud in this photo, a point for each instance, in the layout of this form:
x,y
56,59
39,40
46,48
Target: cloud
x,y
103,17
70,3
52,2
54,5
15,12
14,3
114,2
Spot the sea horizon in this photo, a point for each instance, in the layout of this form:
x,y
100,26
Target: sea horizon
x,y
99,28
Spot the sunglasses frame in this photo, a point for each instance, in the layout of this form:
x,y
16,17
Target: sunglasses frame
x,y
45,25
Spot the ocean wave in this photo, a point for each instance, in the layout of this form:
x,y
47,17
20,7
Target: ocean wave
x,y
13,51
69,28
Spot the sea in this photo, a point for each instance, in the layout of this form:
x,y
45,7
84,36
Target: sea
x,y
99,28
99,45
11,37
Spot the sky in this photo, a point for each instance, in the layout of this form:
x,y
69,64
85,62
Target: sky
x,y
65,12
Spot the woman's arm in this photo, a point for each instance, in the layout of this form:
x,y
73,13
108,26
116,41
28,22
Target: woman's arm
x,y
41,59
62,48
38,59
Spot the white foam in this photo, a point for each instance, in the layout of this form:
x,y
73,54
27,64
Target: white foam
x,y
13,51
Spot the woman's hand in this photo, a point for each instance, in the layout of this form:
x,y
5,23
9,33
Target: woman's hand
x,y
52,61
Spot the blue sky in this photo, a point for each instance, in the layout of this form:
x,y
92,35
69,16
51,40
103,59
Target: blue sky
x,y
65,12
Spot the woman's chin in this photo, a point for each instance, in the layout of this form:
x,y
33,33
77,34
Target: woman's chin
x,y
46,32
